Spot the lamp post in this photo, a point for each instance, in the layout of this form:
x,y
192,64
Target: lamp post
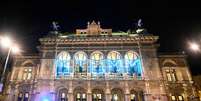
x,y
7,43
5,65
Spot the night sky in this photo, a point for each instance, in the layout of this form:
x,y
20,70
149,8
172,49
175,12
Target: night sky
x,y
175,23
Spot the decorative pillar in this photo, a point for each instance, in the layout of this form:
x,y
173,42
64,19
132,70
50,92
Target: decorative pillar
x,y
127,97
70,96
70,92
108,95
89,95
147,95
9,94
127,92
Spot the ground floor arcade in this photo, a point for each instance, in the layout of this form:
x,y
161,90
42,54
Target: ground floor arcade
x,y
85,91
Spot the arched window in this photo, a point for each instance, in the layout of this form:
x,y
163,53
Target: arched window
x,y
63,95
114,62
117,94
63,64
97,63
23,96
20,96
80,62
27,73
133,63
80,94
136,95
98,95
26,96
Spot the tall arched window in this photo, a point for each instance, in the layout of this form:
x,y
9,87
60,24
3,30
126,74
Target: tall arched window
x,y
97,63
132,63
63,64
80,62
114,62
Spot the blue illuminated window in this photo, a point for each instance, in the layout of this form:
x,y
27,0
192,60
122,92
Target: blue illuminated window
x,y
97,63
133,63
63,64
80,62
114,62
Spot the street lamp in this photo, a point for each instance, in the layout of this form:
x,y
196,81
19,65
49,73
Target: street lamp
x,y
194,46
7,43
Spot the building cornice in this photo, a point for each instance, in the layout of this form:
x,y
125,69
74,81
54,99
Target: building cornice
x,y
148,39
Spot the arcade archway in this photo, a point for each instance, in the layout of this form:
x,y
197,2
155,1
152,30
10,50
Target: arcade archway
x,y
80,94
117,94
98,95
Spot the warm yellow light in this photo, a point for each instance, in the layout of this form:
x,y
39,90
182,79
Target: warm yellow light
x,y
6,42
194,46
15,49
115,97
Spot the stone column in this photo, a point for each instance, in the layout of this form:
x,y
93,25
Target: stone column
x,y
89,97
127,97
14,95
108,95
70,97
127,92
89,93
147,97
70,92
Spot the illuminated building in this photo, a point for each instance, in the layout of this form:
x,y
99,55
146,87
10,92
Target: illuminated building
x,y
97,64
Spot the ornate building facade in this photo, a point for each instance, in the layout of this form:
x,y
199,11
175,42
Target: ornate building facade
x,y
97,64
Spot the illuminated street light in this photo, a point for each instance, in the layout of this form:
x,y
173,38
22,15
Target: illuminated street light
x,y
194,46
7,43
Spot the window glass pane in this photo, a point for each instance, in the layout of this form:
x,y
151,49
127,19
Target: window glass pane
x,y
26,95
99,96
94,96
30,70
115,97
180,98
169,77
80,62
63,95
173,98
97,63
132,96
25,76
114,62
29,76
113,55
173,77
25,70
84,96
132,63
20,95
78,95
63,64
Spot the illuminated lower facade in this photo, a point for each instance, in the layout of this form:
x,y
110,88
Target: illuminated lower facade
x,y
97,64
